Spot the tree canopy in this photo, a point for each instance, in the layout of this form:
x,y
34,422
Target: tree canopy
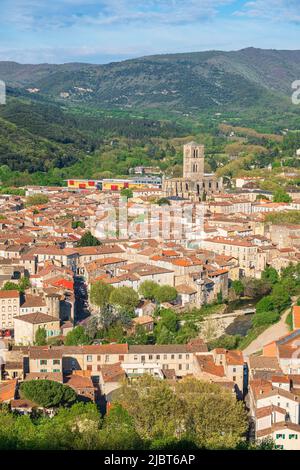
x,y
37,199
124,298
78,223
147,289
281,196
40,337
100,294
270,275
21,286
88,240
77,337
47,393
10,285
165,294
238,287
127,193
206,414
189,416
165,330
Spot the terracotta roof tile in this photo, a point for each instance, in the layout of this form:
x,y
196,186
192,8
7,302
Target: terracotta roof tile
x,y
112,372
37,318
296,317
9,294
8,390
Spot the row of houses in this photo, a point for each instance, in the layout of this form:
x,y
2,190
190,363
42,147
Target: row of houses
x,y
274,389
107,365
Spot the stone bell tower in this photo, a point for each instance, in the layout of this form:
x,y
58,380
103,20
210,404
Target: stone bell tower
x,y
193,161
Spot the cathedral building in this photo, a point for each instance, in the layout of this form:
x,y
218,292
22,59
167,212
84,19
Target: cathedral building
x,y
195,184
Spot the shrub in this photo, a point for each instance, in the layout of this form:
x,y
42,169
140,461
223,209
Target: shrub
x,y
265,318
88,240
47,393
165,294
266,304
37,199
147,289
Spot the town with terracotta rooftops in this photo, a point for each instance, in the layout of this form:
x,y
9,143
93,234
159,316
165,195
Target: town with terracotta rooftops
x,y
149,232
105,287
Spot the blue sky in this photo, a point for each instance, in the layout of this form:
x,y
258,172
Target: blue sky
x,y
101,31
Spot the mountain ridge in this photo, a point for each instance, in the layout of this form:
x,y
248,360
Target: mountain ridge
x,y
185,81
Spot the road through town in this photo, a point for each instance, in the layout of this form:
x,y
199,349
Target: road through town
x,y
271,334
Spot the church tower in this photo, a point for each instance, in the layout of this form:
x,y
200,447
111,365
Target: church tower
x,y
193,161
195,184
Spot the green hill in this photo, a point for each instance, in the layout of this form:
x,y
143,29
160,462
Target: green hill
x,y
183,82
21,150
61,117
37,136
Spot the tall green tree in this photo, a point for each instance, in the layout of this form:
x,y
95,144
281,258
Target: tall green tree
x,y
147,289
47,393
165,294
164,336
281,196
118,431
281,297
169,319
156,410
115,333
100,294
266,304
127,193
77,337
40,337
214,419
203,413
124,299
24,284
166,329
238,287
140,336
88,240
186,332
270,275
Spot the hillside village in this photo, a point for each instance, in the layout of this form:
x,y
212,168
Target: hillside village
x,y
67,268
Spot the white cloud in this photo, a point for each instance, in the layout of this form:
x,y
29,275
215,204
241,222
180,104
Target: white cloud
x,y
165,11
36,14
55,55
272,10
106,30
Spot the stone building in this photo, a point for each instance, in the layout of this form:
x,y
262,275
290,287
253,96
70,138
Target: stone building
x,y
195,184
10,308
26,326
